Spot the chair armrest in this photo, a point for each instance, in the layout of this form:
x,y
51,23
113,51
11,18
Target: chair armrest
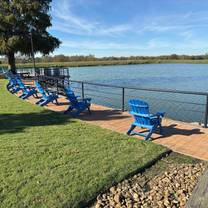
x,y
50,92
30,87
142,115
84,99
157,115
162,114
154,117
87,100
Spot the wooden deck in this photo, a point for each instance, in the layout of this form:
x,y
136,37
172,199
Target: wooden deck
x,y
181,137
199,197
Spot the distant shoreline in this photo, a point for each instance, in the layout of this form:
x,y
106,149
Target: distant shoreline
x,y
107,63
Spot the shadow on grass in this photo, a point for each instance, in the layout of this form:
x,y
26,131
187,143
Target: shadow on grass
x,y
14,123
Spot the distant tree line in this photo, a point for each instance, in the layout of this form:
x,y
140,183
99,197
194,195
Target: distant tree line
x,y
78,58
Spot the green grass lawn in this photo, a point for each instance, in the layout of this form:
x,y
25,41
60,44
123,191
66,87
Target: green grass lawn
x,y
50,160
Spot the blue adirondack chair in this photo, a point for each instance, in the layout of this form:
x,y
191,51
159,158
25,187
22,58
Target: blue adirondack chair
x,y
17,85
1,71
27,91
12,80
47,97
78,105
12,83
152,122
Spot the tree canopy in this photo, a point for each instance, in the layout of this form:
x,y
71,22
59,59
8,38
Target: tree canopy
x,y
18,20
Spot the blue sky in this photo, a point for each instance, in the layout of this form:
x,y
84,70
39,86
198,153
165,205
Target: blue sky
x,y
130,27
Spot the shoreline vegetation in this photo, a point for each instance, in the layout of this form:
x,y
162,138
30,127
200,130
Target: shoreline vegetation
x,y
105,63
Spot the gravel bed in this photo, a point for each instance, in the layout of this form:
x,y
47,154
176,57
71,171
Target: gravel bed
x,y
170,189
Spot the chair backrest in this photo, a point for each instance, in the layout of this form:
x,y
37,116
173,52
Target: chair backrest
x,y
140,110
20,83
12,81
40,89
70,95
8,75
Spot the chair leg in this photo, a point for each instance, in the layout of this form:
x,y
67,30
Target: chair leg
x,y
78,112
69,109
148,137
89,110
39,101
25,96
35,95
56,100
131,129
22,96
160,128
46,101
43,103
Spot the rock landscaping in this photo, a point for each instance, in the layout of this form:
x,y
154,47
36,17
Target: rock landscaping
x,y
170,189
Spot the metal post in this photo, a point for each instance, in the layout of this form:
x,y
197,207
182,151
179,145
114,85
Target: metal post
x,y
123,99
206,113
32,50
82,90
57,84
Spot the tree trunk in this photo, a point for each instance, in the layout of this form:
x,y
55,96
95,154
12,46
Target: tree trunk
x,y
11,62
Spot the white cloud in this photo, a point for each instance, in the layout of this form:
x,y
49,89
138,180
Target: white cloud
x,y
158,44
181,25
169,33
175,23
151,45
99,45
63,12
67,21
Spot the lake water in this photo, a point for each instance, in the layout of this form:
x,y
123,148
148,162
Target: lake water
x,y
165,76
188,77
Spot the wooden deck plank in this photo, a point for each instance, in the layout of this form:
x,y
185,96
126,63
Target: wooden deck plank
x,y
199,197
185,138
